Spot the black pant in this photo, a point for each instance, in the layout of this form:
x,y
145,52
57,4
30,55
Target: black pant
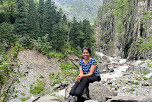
x,y
78,87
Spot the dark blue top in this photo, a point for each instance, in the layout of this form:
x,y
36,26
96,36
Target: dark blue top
x,y
86,67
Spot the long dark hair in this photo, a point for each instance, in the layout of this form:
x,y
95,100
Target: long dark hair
x,y
88,49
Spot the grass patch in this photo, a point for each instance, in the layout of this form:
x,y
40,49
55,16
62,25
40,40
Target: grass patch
x,y
23,94
25,98
56,78
149,65
145,78
55,54
36,89
41,76
69,69
136,83
139,79
132,90
111,86
145,73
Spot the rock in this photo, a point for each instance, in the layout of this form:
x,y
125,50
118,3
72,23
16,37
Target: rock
x,y
145,84
122,61
46,98
97,91
130,98
91,101
138,62
148,75
1,59
105,59
102,67
101,94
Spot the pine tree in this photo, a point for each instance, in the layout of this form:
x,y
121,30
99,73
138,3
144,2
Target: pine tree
x,y
88,34
59,33
76,34
32,20
50,17
41,13
21,21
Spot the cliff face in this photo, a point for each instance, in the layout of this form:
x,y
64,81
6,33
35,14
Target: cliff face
x,y
124,28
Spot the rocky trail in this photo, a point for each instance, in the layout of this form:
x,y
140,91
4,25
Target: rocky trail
x,y
121,81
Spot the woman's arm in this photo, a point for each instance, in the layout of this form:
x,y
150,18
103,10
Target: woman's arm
x,y
92,69
80,70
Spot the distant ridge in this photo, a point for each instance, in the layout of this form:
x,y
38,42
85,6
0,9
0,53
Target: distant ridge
x,y
81,9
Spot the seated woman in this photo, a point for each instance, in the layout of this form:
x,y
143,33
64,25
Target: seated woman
x,y
88,74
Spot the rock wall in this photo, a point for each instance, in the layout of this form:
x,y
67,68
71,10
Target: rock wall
x,y
123,28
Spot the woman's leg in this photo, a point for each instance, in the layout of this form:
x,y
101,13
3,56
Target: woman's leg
x,y
83,83
72,91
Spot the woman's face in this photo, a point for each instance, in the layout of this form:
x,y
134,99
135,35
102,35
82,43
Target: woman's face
x,y
86,54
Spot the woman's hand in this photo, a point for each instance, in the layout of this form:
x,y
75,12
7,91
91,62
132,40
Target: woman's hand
x,y
79,77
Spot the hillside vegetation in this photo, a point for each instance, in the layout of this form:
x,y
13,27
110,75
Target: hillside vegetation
x,y
81,9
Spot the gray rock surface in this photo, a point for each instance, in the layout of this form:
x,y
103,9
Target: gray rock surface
x,y
97,91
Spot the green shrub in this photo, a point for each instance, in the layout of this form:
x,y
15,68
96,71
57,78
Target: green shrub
x,y
149,65
145,78
25,98
67,66
41,76
132,90
55,54
139,79
36,90
145,73
23,94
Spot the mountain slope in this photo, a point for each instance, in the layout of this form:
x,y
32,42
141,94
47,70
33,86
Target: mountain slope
x,y
81,9
124,28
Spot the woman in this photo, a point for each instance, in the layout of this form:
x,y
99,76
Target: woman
x,y
88,74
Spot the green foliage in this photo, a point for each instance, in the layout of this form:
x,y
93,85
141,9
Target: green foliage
x,y
41,76
56,78
149,65
67,66
36,89
25,98
145,78
55,54
147,45
69,70
132,90
42,44
145,73
139,79
23,94
7,35
136,83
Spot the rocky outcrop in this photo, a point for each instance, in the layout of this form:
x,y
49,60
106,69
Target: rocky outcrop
x,y
123,28
97,91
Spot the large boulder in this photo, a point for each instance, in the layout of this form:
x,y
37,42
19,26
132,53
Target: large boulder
x,y
97,91
130,98
46,98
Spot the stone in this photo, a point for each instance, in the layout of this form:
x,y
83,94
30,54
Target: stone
x,y
46,98
145,84
148,75
105,59
91,101
101,94
97,91
130,98
122,61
